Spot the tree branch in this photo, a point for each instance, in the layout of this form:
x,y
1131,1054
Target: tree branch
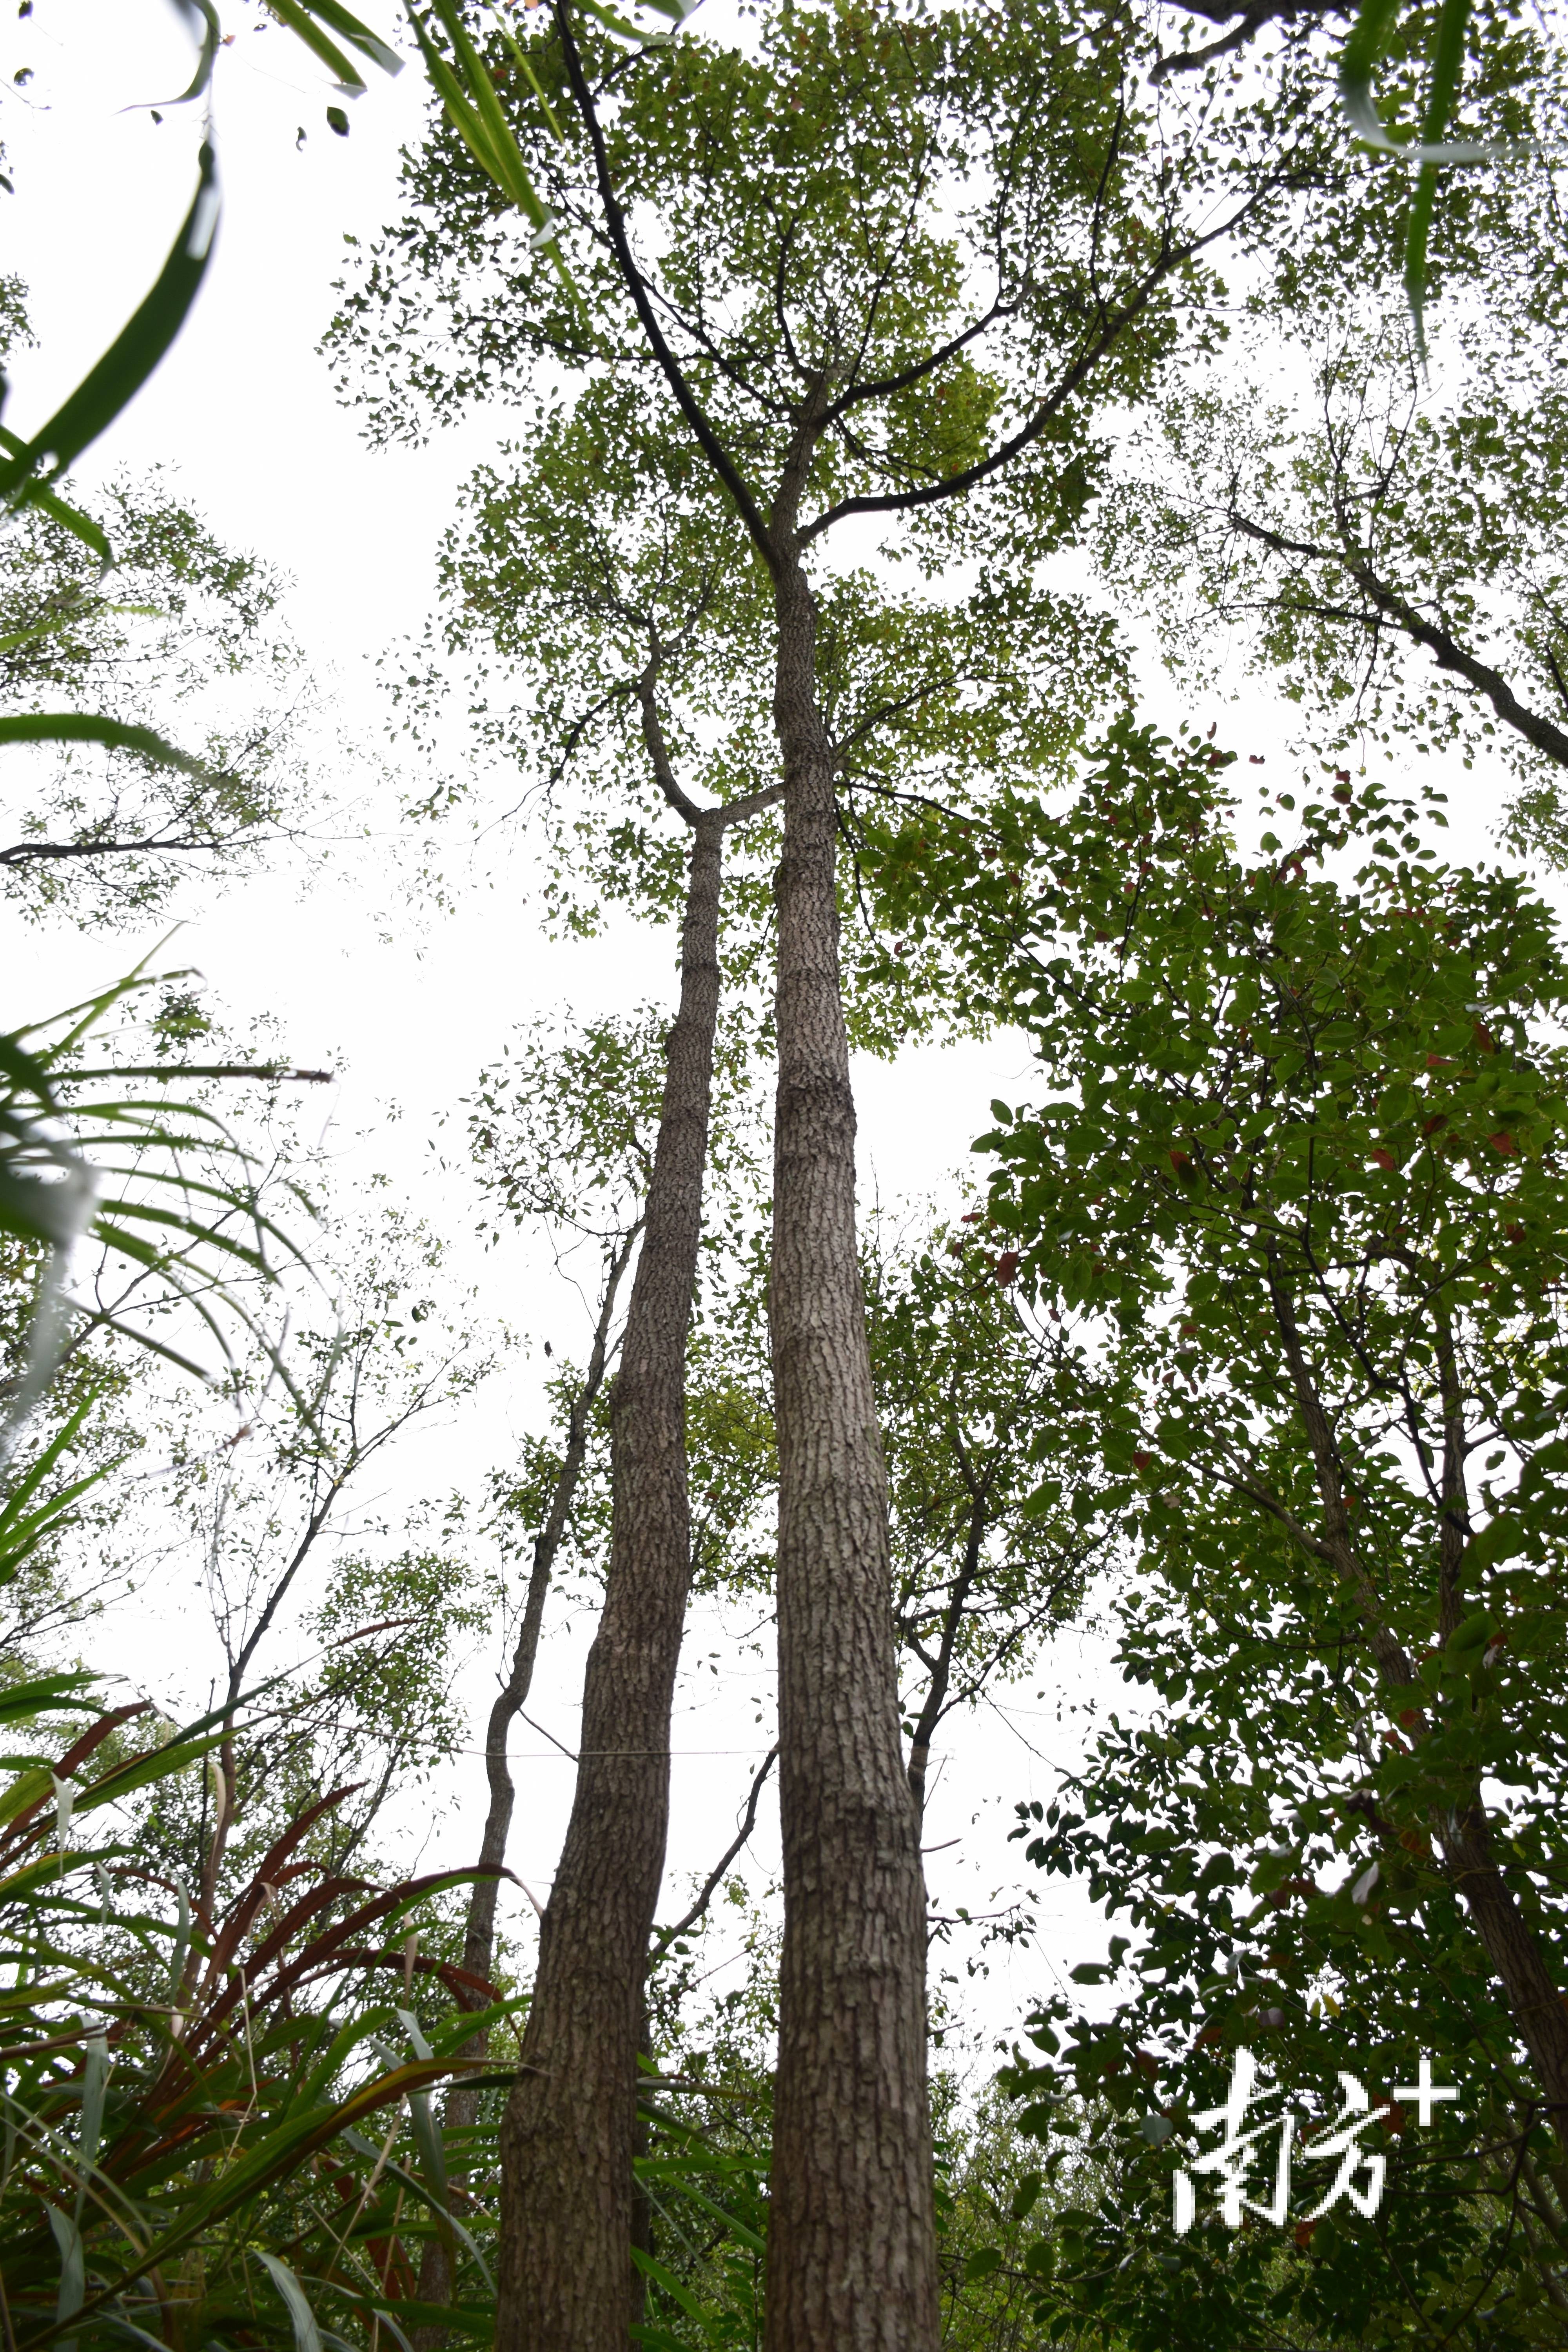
x,y
1113,325
1444,648
665,1937
690,407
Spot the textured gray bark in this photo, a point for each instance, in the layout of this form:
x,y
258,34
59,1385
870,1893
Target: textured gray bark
x,y
851,2243
566,2278
462,2107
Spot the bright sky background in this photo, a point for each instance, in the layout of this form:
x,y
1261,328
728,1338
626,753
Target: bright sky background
x,y
408,1004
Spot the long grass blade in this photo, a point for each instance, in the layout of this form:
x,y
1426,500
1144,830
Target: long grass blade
x,y
306,2336
135,351
92,726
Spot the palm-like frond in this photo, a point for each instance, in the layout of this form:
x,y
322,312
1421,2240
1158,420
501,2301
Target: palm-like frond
x,y
156,1177
172,2083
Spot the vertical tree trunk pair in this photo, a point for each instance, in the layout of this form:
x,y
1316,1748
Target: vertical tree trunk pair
x,y
851,2258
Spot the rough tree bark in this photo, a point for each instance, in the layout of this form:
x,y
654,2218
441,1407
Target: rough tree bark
x,y
852,2242
565,2266
851,2235
566,2277
462,2105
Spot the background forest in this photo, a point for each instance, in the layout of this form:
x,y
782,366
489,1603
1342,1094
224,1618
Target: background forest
x,y
783,1177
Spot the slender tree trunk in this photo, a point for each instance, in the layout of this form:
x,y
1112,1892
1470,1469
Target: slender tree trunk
x,y
932,1712
479,1937
851,2243
462,2107
565,2270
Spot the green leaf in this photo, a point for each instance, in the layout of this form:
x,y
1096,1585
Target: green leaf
x,y
306,2336
678,2293
84,726
70,518
119,376
1470,1633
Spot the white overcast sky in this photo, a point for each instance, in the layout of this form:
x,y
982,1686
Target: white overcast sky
x,y
409,1010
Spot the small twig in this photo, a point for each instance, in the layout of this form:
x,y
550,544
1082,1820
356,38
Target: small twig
x,y
667,1935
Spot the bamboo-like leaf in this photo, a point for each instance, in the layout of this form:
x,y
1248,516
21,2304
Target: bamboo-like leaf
x,y
170,1230
211,34
182,1942
520,57
417,2185
483,122
73,2269
21,1535
58,510
481,2325
91,727
27,1486
43,1693
619,27
1362,52
678,2293
96,2063
300,22
299,17
67,613
673,2172
277,2154
306,2336
357,34
136,351
1447,59
476,113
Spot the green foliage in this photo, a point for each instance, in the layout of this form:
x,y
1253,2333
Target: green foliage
x,y
1465,54
597,604
562,1129
179,2083
1388,549
997,1506
1302,1158
159,1180
949,221
179,626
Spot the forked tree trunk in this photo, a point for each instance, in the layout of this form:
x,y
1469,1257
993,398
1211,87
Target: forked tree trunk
x,y
851,2230
565,2269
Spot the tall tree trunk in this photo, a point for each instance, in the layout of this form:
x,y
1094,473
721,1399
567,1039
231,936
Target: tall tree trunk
x,y
851,2231
565,2270
462,2107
